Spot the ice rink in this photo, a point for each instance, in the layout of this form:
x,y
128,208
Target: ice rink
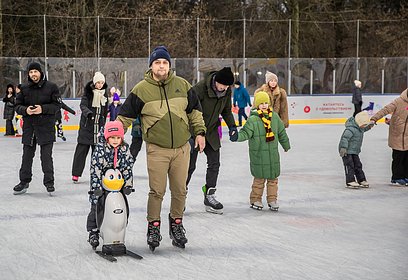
x,y
322,229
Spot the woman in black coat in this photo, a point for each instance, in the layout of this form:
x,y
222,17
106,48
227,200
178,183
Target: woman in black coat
x,y
9,100
94,108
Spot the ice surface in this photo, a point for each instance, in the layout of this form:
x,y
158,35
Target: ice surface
x,y
322,229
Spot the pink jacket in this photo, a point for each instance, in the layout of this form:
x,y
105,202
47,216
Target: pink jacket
x,y
398,131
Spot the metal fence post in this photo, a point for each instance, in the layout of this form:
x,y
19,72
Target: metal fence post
x,y
45,47
73,84
334,76
149,36
289,70
198,50
98,44
311,78
243,56
125,83
382,76
357,54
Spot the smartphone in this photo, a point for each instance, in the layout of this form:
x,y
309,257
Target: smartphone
x,y
33,107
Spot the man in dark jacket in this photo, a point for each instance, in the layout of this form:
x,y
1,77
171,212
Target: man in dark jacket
x,y
37,102
214,93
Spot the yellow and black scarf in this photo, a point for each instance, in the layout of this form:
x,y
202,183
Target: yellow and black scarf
x,y
267,124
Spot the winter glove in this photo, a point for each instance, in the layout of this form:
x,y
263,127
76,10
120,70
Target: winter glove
x,y
343,152
97,192
233,134
90,116
127,190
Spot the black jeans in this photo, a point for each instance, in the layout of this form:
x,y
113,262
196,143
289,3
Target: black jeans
x,y
399,165
357,108
46,163
10,128
213,164
241,113
78,164
353,168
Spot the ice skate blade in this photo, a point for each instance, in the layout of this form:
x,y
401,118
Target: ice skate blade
x,y
209,209
352,187
256,207
20,192
178,245
274,209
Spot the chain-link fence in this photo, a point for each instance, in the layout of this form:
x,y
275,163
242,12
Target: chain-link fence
x,y
71,49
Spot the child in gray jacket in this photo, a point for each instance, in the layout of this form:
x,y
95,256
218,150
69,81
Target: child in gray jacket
x,y
350,147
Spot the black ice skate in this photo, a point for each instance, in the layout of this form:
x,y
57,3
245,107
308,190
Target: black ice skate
x,y
94,238
153,235
20,188
50,188
212,205
177,232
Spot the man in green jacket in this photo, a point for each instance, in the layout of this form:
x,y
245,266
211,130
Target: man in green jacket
x,y
167,107
214,93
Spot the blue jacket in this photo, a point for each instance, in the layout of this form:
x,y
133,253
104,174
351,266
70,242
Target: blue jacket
x,y
241,97
114,110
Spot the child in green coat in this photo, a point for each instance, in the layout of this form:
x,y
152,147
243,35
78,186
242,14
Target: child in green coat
x,y
263,130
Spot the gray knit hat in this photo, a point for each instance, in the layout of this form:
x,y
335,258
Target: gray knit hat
x,y
270,76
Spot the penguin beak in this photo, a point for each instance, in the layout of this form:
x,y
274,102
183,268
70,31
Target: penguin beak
x,y
114,184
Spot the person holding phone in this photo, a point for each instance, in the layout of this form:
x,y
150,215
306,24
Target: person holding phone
x,y
37,102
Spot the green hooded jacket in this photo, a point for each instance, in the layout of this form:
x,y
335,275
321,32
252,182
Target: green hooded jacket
x,y
352,137
264,156
166,108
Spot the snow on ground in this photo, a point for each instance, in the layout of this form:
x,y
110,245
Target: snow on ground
x,y
322,230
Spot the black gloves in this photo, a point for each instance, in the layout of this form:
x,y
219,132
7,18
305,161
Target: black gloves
x,y
90,116
127,190
233,134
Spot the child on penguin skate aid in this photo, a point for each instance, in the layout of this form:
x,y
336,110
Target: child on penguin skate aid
x,y
112,152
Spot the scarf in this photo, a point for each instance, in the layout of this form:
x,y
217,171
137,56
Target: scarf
x,y
267,124
98,98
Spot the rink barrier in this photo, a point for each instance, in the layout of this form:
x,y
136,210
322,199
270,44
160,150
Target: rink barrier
x,y
310,109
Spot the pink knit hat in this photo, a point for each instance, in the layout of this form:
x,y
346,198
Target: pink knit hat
x,y
114,128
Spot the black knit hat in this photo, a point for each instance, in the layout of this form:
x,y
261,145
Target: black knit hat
x,y
34,65
159,52
224,76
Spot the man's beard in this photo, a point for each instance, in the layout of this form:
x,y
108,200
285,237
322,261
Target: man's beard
x,y
161,78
